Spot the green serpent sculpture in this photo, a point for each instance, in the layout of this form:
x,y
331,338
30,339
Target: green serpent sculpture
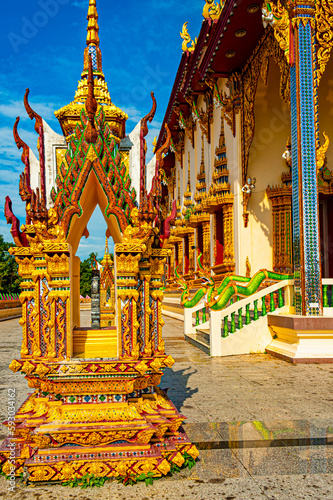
x,y
218,297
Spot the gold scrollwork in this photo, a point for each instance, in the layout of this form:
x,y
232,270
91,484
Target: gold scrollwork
x,y
324,34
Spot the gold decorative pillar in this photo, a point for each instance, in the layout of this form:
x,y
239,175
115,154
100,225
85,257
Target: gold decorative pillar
x,y
157,261
191,252
206,244
127,263
172,260
145,339
45,300
181,256
228,232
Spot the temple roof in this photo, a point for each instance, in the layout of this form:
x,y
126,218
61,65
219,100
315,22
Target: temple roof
x,y
223,46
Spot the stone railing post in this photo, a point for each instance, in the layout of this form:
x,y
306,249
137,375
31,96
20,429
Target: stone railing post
x,y
95,300
215,333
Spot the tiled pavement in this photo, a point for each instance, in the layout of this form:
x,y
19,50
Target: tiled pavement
x,y
264,427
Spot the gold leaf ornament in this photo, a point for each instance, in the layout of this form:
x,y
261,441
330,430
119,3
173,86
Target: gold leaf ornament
x,y
15,366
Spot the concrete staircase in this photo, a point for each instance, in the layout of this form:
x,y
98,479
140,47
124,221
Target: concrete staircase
x,y
252,338
171,305
241,327
200,339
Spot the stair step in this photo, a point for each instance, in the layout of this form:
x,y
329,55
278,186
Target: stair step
x,y
192,339
203,335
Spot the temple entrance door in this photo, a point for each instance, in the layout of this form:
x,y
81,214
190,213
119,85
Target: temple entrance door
x,y
326,235
176,256
186,255
219,238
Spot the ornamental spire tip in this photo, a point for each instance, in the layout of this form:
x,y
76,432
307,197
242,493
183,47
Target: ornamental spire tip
x,y
92,28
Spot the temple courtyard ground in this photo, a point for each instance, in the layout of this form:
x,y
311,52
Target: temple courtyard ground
x,y
263,426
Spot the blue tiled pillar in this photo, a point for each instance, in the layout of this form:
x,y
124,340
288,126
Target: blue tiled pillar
x,y
306,242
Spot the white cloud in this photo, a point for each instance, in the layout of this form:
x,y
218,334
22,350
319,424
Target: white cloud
x,y
8,147
16,108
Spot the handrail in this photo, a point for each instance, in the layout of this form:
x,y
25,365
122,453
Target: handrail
x,y
242,308
220,302
258,295
226,320
327,281
218,298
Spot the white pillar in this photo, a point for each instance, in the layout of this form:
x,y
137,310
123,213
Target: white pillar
x,y
215,333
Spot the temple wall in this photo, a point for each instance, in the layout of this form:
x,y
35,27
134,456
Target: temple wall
x,y
151,168
134,159
325,101
34,171
272,129
52,140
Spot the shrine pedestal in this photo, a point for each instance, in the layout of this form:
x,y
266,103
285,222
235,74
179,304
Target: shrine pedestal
x,y
301,339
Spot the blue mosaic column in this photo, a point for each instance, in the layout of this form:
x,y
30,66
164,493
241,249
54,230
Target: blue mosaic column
x,y
306,242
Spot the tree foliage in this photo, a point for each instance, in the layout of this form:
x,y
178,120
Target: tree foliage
x,y
86,275
9,277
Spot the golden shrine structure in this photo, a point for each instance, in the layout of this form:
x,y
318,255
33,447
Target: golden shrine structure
x,y
107,294
95,408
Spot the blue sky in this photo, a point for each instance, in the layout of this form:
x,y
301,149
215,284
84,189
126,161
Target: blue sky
x,y
42,45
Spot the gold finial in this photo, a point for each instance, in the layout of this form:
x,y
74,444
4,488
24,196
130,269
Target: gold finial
x,y
189,173
107,259
202,164
212,10
321,152
222,134
248,268
92,29
187,39
154,144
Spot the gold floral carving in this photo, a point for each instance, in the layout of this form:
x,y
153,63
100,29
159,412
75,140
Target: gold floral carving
x,y
277,16
93,438
15,366
231,104
324,34
184,34
204,117
321,152
141,367
213,10
128,263
187,124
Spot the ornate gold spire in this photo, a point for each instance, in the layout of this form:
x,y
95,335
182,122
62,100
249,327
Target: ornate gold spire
x,y
202,164
188,194
219,191
201,194
189,173
92,29
107,259
69,115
